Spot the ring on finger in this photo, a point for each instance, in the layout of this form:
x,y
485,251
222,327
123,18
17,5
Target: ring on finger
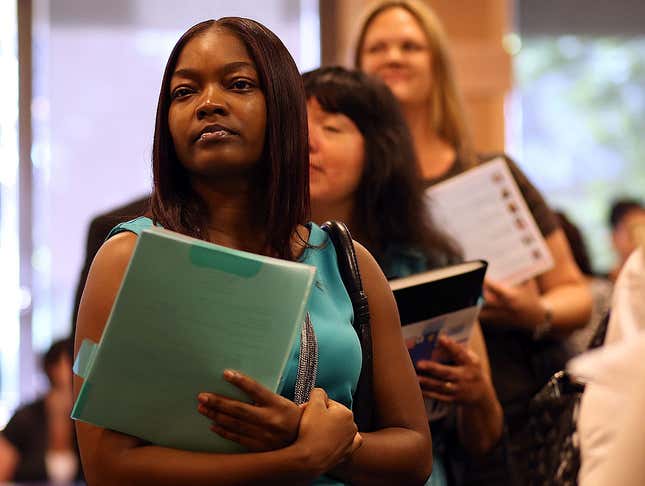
x,y
448,386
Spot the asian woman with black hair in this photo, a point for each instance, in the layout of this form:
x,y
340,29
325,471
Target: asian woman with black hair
x,y
364,171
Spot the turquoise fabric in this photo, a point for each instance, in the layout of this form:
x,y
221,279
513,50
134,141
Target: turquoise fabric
x,y
438,476
330,309
399,261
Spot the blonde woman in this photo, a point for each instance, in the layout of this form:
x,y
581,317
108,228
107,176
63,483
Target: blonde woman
x,y
403,43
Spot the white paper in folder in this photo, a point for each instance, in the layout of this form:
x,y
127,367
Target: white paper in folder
x,y
484,211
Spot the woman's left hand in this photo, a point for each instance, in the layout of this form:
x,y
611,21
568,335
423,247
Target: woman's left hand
x,y
463,382
271,422
517,306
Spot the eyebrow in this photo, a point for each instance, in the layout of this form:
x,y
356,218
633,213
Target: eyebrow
x,y
338,117
226,69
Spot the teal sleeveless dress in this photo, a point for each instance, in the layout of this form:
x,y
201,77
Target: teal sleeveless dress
x,y
330,310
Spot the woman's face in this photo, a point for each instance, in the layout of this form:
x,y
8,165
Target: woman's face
x,y
336,156
217,114
59,373
396,49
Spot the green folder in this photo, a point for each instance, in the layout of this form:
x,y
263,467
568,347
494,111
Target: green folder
x,y
186,311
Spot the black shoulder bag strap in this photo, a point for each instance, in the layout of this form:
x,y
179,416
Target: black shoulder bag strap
x,y
348,268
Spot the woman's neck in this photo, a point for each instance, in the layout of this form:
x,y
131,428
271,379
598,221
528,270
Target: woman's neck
x,y
435,155
325,211
233,219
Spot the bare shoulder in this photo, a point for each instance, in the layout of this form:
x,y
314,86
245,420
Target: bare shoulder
x,y
383,310
371,273
105,275
117,248
110,262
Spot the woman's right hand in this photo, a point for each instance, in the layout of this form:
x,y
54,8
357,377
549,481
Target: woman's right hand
x,y
463,382
269,423
328,433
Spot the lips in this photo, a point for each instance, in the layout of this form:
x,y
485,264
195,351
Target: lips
x,y
214,132
394,75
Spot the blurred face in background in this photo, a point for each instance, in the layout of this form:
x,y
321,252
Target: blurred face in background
x,y
336,156
59,372
396,49
628,233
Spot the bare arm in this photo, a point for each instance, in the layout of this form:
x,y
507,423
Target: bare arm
x,y
400,451
480,423
560,296
9,458
112,458
564,289
465,382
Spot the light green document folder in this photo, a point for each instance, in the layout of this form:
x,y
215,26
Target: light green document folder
x,y
186,311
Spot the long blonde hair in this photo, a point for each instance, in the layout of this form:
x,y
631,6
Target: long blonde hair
x,y
448,117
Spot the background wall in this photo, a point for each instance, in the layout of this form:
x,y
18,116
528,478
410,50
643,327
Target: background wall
x,y
95,77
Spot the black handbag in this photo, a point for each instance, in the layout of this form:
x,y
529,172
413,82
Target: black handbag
x,y
349,272
554,411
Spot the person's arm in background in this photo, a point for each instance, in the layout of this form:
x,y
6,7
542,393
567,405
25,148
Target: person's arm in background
x,y
564,290
556,302
326,432
480,422
466,383
400,450
9,457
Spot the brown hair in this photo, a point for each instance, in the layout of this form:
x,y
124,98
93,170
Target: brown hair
x,y
283,185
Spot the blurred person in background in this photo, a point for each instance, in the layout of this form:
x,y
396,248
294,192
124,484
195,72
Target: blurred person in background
x,y
600,287
625,217
403,43
610,424
363,171
39,443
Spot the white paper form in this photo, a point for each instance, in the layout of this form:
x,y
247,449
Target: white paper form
x,y
484,211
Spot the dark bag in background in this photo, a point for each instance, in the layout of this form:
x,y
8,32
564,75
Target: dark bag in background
x,y
349,272
554,413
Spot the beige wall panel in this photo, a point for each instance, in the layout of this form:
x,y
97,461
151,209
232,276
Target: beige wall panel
x,y
486,115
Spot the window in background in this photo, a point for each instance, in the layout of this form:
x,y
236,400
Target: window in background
x,y
9,257
97,69
578,126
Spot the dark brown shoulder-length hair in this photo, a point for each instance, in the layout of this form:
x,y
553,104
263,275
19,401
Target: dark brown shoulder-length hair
x,y
283,185
389,206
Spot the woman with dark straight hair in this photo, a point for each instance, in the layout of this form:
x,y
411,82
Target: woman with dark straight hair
x,y
174,203
230,163
388,210
364,171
